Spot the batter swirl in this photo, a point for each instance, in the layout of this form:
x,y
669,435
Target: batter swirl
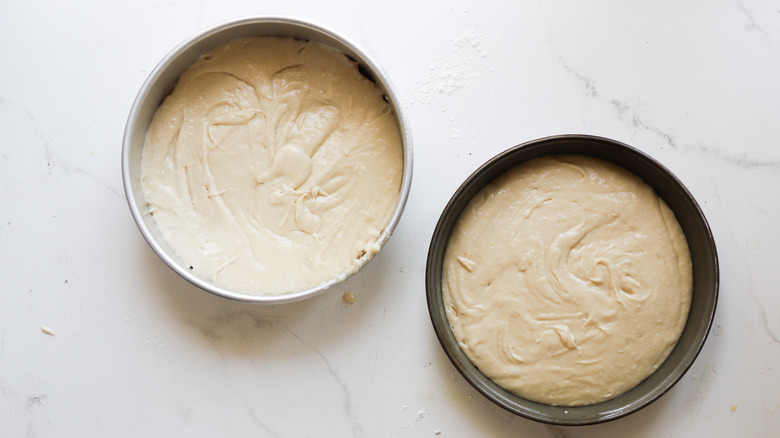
x,y
567,280
273,166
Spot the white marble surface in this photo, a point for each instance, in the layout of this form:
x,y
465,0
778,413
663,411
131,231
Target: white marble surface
x,y
137,351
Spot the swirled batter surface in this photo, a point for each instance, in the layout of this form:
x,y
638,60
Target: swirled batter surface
x,y
567,280
273,165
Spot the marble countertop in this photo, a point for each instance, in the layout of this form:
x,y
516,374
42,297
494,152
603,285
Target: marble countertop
x,y
133,349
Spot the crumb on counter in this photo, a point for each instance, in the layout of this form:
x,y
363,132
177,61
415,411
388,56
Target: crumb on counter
x,y
47,330
348,297
733,408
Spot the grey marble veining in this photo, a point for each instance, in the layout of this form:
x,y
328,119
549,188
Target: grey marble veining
x,y
138,351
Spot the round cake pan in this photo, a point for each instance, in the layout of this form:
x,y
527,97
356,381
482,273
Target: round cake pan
x,y
705,278
159,85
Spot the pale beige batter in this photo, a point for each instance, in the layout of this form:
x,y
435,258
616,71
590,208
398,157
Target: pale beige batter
x,y
273,166
567,280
